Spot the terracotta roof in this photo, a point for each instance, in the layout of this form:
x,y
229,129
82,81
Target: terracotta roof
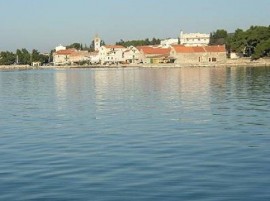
x,y
154,50
216,48
114,46
185,49
73,53
66,52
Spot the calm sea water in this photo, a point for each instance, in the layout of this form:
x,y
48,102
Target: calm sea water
x,y
135,134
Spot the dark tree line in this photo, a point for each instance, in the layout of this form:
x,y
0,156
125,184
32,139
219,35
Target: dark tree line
x,y
135,43
254,42
23,57
80,46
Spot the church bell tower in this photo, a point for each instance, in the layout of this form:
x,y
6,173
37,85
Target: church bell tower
x,y
97,42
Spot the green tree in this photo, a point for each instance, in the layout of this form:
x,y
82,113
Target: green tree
x,y
24,57
253,42
77,46
102,43
262,50
136,43
37,57
92,46
219,37
7,58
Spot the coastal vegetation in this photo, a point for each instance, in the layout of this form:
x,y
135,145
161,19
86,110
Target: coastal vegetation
x,y
135,43
23,57
7,58
80,46
254,42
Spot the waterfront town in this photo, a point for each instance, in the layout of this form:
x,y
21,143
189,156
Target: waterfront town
x,y
188,49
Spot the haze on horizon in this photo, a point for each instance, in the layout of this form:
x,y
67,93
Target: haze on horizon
x,y
45,24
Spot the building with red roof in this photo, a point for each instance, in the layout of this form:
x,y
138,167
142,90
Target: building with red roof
x,y
154,54
70,56
199,54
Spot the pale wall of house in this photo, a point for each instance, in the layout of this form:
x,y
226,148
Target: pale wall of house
x,y
60,59
111,55
132,56
195,58
65,59
94,58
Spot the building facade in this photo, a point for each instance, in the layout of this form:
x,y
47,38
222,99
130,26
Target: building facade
x,y
168,42
112,54
198,55
154,54
70,56
194,39
132,55
60,47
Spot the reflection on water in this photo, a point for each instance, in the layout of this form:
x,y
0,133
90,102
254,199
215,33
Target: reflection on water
x,y
135,134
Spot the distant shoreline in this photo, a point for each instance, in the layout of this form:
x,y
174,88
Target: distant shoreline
x,y
229,63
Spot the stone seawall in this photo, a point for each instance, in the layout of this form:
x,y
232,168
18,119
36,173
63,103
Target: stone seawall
x,y
17,67
243,62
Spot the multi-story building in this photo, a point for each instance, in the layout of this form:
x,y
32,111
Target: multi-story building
x,y
194,39
132,55
112,54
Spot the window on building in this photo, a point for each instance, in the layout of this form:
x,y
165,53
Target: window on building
x,y
214,59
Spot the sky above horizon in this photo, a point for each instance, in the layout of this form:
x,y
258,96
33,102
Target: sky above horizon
x,y
44,24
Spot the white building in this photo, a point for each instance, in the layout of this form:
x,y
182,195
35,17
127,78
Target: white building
x,y
132,55
194,39
168,42
94,57
60,47
112,54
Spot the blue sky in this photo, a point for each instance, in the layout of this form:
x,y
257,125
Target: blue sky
x,y
43,24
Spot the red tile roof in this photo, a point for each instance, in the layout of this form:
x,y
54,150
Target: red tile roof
x,y
216,48
154,50
66,52
185,49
